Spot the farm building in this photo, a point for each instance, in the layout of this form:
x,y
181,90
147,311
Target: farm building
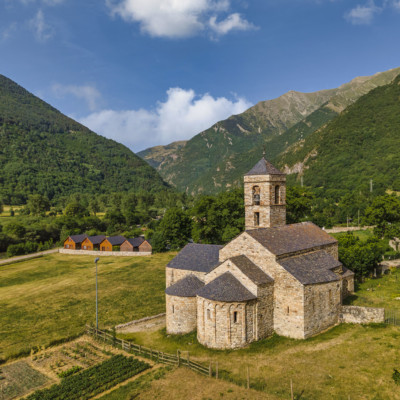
x,y
92,242
273,277
136,244
112,243
74,242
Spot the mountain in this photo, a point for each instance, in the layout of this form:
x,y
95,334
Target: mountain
x,y
216,159
43,151
360,144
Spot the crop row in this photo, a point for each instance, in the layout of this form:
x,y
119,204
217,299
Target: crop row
x,y
92,381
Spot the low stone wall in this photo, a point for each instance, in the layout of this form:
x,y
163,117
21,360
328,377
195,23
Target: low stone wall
x,y
105,253
339,229
361,315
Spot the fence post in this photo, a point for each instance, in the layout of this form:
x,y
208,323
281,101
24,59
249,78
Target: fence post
x,y
158,357
248,378
140,349
188,358
216,372
210,370
291,390
130,347
178,356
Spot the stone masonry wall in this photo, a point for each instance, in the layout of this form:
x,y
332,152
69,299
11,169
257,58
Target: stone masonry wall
x,y
271,214
105,253
288,292
173,275
264,312
181,314
321,307
216,327
362,315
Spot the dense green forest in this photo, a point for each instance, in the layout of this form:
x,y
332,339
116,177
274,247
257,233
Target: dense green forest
x,y
44,152
358,146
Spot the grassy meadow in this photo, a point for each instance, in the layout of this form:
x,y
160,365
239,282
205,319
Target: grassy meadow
x,y
53,297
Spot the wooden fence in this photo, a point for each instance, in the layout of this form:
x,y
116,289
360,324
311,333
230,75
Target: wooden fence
x,y
152,354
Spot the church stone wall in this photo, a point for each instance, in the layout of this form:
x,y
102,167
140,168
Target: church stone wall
x,y
181,314
347,286
173,275
264,312
321,307
216,327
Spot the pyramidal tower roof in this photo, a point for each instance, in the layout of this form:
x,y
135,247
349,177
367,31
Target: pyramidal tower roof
x,y
264,167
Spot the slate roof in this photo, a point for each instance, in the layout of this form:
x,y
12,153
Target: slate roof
x,y
225,288
116,240
285,239
312,268
96,239
186,287
264,167
196,257
136,242
251,270
78,238
347,272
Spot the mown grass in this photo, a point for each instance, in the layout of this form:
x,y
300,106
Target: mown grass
x,y
383,291
53,297
348,360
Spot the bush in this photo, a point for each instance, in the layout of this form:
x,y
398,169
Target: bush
x,y
396,376
21,249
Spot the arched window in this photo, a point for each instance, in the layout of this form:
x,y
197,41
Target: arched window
x,y
235,317
208,314
256,195
257,219
277,199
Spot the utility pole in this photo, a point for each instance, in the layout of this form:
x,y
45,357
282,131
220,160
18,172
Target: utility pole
x,y
97,308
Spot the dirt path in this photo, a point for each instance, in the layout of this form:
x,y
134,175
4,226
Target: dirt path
x,y
149,324
27,256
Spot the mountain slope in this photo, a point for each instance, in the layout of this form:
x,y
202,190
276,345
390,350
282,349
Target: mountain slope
x,y
358,145
43,151
217,158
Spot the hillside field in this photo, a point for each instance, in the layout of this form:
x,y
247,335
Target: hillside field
x,y
53,297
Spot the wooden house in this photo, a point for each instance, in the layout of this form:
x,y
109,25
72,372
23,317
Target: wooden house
x,y
136,244
112,242
74,242
92,242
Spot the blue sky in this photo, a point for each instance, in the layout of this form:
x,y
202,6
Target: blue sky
x,y
148,72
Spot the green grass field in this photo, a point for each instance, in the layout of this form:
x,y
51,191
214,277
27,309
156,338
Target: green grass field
x,y
53,297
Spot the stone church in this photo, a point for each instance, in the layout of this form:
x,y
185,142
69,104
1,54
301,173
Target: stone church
x,y
273,277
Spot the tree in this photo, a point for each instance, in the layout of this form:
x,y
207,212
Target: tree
x,y
38,204
15,230
174,229
298,204
383,211
94,206
361,257
76,209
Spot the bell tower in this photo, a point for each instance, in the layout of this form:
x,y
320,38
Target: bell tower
x,y
264,196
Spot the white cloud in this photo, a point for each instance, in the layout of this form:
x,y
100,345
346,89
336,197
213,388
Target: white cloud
x,y
363,15
41,29
232,22
180,117
86,92
396,4
7,32
178,18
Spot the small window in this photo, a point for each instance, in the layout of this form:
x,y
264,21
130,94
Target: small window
x,y
277,199
257,219
235,317
84,247
287,310
173,309
330,295
67,246
208,314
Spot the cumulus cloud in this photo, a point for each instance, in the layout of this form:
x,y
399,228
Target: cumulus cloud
x,y
396,4
41,29
9,31
363,15
180,117
232,22
178,18
85,92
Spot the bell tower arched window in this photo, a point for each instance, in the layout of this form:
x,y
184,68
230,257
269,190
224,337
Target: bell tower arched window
x,y
256,195
277,199
257,219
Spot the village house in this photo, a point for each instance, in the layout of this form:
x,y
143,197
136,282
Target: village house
x,y
273,277
139,244
92,242
112,243
74,242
